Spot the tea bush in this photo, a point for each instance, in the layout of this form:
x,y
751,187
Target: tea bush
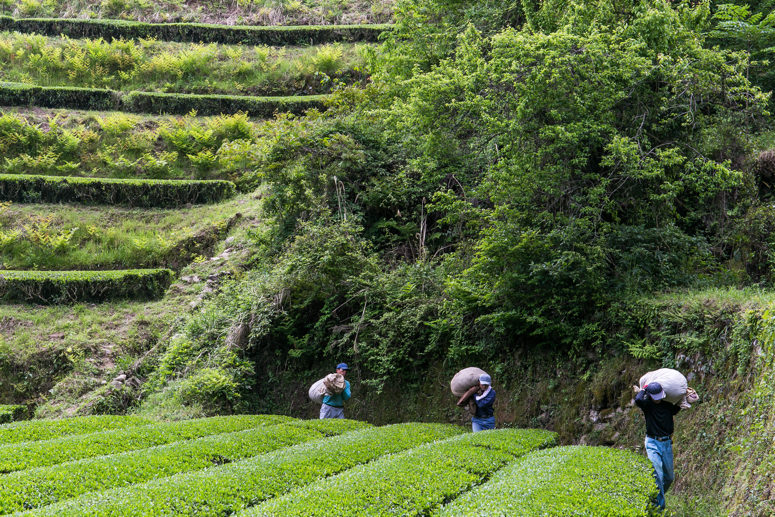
x,y
196,32
56,287
411,482
38,487
21,456
30,188
590,481
36,430
226,489
149,102
11,412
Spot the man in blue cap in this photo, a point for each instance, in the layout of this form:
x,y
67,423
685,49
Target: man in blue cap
x,y
333,405
659,428
482,396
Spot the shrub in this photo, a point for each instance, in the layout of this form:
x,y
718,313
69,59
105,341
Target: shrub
x,y
54,287
225,489
147,102
128,192
43,486
196,32
35,430
23,456
589,481
180,103
11,412
58,97
411,482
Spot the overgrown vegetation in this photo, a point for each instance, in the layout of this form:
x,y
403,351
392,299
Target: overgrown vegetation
x,y
149,65
512,188
245,12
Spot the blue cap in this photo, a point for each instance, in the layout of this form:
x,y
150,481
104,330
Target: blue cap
x,y
342,366
655,391
485,379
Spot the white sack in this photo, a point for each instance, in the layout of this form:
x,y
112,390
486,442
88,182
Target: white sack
x,y
464,380
672,381
317,391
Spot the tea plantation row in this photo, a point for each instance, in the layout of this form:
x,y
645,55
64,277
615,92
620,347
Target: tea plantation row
x,y
274,465
18,94
196,32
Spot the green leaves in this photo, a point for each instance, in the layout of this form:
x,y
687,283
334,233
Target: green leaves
x,y
43,486
576,480
228,488
79,286
27,188
11,412
27,455
195,32
411,482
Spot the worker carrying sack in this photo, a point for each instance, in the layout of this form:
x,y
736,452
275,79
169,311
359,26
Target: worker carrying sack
x,y
672,381
331,384
464,380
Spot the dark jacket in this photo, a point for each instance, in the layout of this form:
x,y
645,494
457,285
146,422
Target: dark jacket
x,y
484,405
659,416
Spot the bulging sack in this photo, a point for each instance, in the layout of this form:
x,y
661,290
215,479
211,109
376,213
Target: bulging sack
x,y
317,391
464,380
672,381
334,383
331,384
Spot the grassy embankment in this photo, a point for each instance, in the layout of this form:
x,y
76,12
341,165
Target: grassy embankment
x,y
253,12
157,66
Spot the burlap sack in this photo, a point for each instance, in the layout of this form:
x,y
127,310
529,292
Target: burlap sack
x,y
672,381
465,379
334,383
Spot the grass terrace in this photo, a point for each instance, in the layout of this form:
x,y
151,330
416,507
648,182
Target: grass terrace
x,y
121,145
244,12
154,66
67,237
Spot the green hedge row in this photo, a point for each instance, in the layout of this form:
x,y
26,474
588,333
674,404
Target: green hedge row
x,y
29,188
182,103
52,287
11,412
38,487
228,488
196,32
34,430
23,456
574,480
15,94
412,482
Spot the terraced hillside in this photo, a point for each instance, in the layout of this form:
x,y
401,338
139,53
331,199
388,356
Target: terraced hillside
x,y
103,210
271,465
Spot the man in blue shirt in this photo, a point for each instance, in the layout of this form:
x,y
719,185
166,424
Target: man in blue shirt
x,y
482,396
333,405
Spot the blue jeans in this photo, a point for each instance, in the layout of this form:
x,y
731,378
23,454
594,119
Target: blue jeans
x,y
661,456
483,424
